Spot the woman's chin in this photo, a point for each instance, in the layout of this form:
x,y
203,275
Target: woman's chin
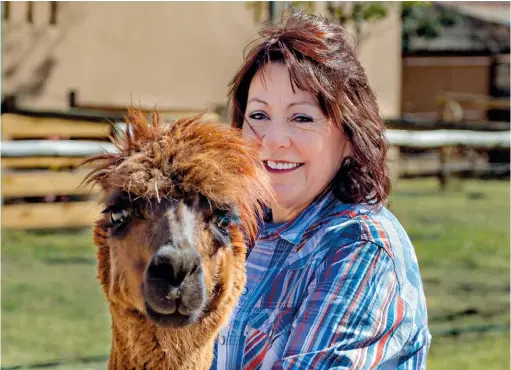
x,y
284,198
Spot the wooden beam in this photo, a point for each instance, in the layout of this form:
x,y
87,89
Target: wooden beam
x,y
50,215
474,100
70,115
42,162
16,126
165,112
42,183
434,124
206,117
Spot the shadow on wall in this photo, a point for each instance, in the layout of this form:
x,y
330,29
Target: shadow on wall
x,y
28,50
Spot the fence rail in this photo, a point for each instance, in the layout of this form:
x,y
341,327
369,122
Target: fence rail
x,y
33,167
441,138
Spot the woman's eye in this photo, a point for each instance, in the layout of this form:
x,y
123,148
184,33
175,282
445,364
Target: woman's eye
x,y
257,116
303,119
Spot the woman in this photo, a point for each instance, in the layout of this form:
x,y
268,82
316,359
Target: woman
x,y
332,281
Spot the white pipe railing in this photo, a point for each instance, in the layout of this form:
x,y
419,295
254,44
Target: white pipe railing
x,y
402,138
439,138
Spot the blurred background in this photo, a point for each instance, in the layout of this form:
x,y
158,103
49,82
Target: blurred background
x,y
70,69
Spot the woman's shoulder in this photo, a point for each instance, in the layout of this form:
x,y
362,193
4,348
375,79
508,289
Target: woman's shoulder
x,y
360,228
361,231
363,223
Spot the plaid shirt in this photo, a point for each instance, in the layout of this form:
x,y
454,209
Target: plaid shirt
x,y
337,287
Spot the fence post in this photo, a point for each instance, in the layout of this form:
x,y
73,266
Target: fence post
x,y
9,104
392,159
72,98
443,173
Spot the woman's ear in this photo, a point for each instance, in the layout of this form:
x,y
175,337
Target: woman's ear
x,y
347,149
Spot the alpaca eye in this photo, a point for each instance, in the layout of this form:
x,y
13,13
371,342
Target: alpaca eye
x,y
223,222
120,216
224,219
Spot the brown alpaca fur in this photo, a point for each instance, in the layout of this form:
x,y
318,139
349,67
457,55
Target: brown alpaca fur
x,y
176,163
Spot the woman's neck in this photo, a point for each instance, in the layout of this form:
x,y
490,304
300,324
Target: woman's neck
x,y
280,214
284,214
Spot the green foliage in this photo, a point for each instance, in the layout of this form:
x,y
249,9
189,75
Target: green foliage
x,y
306,6
419,18
425,21
371,11
358,12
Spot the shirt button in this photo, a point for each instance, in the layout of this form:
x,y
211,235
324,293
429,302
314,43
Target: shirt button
x,y
221,340
244,291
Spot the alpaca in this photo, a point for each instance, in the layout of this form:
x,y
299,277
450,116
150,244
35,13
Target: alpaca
x,y
181,203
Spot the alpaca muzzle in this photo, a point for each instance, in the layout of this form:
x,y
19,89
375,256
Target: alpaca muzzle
x,y
174,288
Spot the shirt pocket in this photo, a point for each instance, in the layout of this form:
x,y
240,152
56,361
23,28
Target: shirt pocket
x,y
266,335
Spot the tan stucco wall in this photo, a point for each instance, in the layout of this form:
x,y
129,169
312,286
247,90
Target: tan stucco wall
x,y
380,54
176,55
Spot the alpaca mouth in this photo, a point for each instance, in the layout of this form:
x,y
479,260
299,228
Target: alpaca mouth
x,y
170,320
174,289
169,306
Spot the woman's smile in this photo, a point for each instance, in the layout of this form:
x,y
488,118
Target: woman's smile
x,y
280,167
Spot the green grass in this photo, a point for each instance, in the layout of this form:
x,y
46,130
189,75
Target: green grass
x,y
461,237
52,305
53,308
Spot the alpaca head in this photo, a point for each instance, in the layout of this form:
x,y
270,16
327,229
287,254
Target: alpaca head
x,y
180,204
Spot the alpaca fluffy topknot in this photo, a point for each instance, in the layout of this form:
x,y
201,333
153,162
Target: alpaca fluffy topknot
x,y
185,158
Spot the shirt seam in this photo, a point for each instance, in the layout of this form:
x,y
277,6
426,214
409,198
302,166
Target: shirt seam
x,y
408,311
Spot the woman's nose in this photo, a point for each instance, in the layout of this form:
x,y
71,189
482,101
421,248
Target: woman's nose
x,y
276,136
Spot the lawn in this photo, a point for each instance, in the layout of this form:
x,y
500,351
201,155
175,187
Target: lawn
x,y
52,306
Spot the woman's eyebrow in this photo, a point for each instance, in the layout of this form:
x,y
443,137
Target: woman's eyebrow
x,y
258,100
303,103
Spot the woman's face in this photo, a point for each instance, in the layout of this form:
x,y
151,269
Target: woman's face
x,y
300,147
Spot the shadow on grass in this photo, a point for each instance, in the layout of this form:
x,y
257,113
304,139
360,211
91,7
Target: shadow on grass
x,y
69,261
58,363
63,231
472,195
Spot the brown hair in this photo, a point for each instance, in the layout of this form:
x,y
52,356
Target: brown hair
x,y
321,59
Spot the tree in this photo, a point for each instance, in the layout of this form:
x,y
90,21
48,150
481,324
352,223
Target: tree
x,y
359,14
418,17
420,20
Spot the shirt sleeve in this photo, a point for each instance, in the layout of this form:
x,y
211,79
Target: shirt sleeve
x,y
352,316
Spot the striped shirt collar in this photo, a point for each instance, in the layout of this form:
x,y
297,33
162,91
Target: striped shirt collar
x,y
293,230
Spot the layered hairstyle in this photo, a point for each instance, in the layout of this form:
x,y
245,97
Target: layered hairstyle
x,y
321,58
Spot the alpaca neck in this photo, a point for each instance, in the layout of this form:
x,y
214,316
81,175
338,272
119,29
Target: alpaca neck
x,y
139,344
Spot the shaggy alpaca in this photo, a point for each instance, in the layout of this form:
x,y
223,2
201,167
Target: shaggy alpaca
x,y
181,203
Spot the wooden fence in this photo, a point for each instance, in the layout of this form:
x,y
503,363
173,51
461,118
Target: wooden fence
x,y
40,152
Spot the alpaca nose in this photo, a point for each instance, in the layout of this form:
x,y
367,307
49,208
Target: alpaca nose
x,y
173,265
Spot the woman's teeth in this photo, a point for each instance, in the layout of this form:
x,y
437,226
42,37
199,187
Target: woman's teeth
x,y
282,165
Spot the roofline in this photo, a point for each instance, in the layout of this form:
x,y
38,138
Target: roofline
x,y
454,53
